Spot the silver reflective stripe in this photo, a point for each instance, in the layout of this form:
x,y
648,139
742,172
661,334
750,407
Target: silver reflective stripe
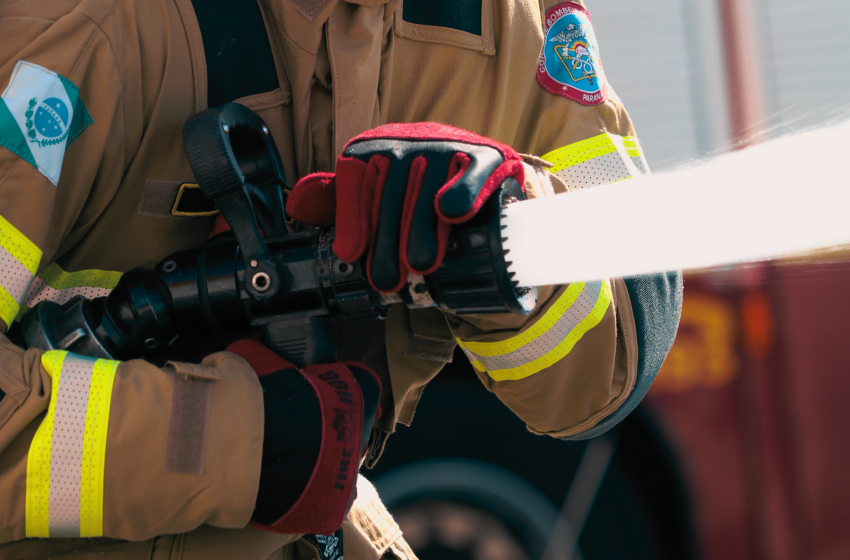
x,y
548,341
14,276
600,170
639,163
40,291
66,457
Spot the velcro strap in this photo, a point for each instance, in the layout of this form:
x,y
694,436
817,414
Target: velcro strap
x,y
188,417
322,505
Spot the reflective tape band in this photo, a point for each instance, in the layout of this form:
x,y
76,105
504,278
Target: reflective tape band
x,y
65,464
580,308
635,152
14,276
579,152
16,243
54,284
19,259
599,160
9,307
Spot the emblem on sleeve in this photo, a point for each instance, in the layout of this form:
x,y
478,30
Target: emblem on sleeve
x,y
41,113
570,65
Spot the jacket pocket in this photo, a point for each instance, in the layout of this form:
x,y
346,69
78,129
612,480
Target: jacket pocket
x,y
449,22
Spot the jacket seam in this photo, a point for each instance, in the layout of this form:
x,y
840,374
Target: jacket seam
x,y
9,172
192,29
120,100
484,43
16,395
431,38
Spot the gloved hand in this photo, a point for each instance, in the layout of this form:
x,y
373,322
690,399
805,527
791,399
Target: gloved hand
x,y
397,190
317,426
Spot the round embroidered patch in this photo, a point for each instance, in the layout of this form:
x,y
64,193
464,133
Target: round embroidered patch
x,y
51,118
570,65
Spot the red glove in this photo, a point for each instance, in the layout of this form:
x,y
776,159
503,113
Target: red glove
x,y
397,190
317,425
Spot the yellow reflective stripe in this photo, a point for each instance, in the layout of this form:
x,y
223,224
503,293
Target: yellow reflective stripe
x,y
579,152
71,505
58,279
552,315
19,259
600,160
94,448
24,250
38,459
8,307
564,348
632,146
55,284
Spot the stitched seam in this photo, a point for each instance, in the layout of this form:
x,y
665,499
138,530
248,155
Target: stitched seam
x,y
438,40
12,403
193,38
6,176
285,86
335,100
489,41
441,29
120,103
414,31
273,100
418,29
312,12
449,30
631,341
20,157
444,42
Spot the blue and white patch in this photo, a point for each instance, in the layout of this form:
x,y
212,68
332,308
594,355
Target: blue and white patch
x,y
570,65
41,113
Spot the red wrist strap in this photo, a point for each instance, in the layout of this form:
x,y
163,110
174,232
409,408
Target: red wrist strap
x,y
262,360
322,505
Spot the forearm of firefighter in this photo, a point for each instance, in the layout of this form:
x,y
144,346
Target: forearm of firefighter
x,y
588,352
559,369
583,359
100,448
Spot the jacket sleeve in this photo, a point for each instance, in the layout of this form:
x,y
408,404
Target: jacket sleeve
x,y
587,354
92,448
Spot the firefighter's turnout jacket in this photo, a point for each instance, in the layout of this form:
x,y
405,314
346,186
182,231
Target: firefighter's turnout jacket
x,y
91,169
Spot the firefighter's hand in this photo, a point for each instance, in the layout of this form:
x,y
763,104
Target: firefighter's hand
x,y
317,424
397,190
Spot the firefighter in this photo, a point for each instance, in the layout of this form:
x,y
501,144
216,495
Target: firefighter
x,y
243,455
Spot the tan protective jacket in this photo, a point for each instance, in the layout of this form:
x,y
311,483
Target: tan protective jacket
x,y
87,448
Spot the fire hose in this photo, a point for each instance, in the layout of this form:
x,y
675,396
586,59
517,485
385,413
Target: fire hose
x,y
288,286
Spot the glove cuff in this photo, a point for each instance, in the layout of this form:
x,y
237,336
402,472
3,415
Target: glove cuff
x,y
322,505
262,360
313,200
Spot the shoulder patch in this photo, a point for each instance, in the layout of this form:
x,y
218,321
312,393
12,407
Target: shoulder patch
x,y
40,114
570,65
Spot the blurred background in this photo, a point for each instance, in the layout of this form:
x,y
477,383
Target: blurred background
x,y
740,450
